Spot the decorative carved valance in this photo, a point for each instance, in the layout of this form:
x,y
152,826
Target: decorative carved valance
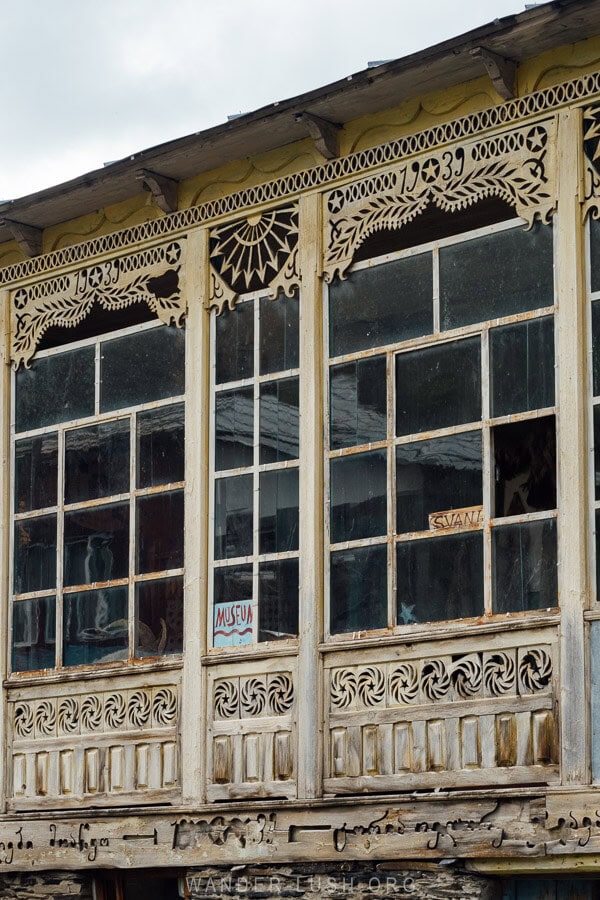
x,y
517,166
260,251
591,148
150,276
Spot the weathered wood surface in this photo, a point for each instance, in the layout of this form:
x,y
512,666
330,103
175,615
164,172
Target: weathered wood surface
x,y
46,886
423,830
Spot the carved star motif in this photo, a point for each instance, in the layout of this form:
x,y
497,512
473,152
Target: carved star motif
x,y
95,277
336,201
430,170
172,254
536,139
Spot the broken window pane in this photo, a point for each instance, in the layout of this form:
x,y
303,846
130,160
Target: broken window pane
x,y
234,428
278,511
235,343
233,610
438,475
278,600
440,578
95,626
159,619
279,420
358,496
358,403
525,460
96,544
279,347
233,517
36,473
139,368
522,366
359,589
160,532
34,634
496,275
438,386
97,461
381,305
35,554
55,389
524,566
161,441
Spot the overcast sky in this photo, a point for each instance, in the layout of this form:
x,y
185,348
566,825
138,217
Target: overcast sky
x,y
83,82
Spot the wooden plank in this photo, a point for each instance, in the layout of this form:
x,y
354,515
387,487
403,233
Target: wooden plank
x,y
572,470
5,530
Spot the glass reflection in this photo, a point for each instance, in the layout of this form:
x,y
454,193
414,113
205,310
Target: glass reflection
x,y
279,346
55,388
278,511
161,442
358,496
279,420
278,600
36,472
359,589
358,403
160,532
234,429
525,574
141,367
97,461
159,623
235,343
95,626
34,634
96,544
233,517
35,554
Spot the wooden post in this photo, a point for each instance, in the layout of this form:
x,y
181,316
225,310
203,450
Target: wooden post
x,y
5,526
311,502
573,478
193,727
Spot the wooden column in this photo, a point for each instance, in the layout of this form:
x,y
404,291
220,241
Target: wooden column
x,y
311,500
5,525
573,479
193,719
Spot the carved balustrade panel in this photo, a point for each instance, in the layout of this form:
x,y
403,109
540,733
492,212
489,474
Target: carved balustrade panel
x,y
108,742
467,712
252,730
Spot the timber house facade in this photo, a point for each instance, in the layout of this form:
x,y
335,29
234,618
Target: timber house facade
x,y
300,476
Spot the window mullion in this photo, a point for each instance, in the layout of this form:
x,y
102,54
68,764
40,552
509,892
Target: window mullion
x,y
487,471
60,555
131,626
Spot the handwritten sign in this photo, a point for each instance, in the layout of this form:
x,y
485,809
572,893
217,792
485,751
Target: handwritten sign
x,y
456,518
232,623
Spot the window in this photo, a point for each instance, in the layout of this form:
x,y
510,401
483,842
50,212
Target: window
x,y
255,471
594,256
442,458
98,461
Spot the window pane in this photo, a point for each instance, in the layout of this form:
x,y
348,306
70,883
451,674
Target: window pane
x,y
440,578
234,429
279,420
525,566
359,589
595,252
597,524
358,496
278,511
160,532
55,389
278,600
97,461
161,440
522,366
96,544
381,305
35,554
279,348
36,472
233,517
597,452
437,475
496,275
438,386
235,343
142,367
525,457
232,616
358,403
159,625
34,634
95,626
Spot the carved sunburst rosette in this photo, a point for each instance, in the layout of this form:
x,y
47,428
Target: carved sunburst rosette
x,y
260,251
150,276
517,166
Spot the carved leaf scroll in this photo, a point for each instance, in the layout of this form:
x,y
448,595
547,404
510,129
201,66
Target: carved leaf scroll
x,y
591,147
260,251
517,167
150,277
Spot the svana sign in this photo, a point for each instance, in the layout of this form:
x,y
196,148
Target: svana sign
x,y
456,518
232,623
